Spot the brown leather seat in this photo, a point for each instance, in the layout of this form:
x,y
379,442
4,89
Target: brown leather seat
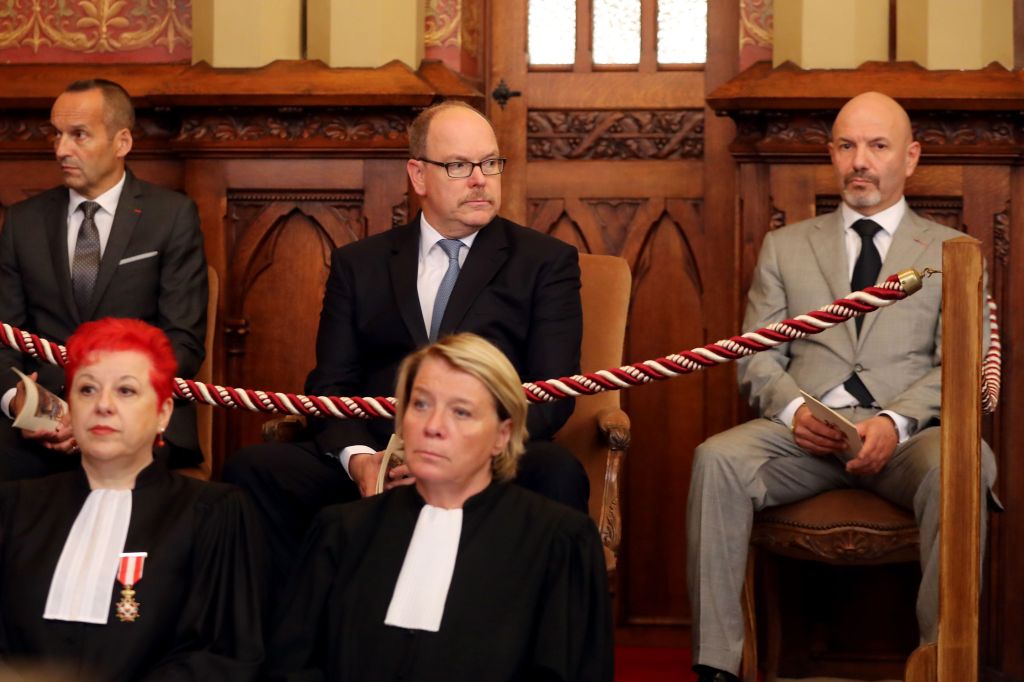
x,y
840,527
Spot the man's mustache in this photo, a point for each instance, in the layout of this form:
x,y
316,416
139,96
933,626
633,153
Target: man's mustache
x,y
477,197
868,177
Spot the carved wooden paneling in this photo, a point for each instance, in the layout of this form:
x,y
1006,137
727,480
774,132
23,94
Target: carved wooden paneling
x,y
282,242
648,135
665,244
974,137
341,128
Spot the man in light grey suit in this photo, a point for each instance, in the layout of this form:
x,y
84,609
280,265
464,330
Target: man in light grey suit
x,y
883,374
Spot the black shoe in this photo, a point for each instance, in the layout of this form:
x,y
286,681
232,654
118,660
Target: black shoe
x,y
708,674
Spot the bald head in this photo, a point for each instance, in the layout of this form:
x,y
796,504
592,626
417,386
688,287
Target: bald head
x,y
873,152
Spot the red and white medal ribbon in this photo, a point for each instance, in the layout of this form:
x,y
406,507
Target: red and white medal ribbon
x,y
129,573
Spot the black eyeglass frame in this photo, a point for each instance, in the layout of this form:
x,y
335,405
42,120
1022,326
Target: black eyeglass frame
x,y
472,166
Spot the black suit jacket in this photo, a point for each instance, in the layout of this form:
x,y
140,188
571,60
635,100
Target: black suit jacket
x,y
518,288
164,283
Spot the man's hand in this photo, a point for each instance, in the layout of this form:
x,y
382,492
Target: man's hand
x,y
59,440
814,435
363,468
880,441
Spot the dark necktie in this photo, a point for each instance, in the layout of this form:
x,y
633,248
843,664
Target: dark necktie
x,y
87,256
865,274
444,290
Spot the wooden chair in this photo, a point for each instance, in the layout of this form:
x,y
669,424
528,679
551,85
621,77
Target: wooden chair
x,y
204,413
598,431
839,527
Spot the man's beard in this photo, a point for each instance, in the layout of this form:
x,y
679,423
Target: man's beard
x,y
865,199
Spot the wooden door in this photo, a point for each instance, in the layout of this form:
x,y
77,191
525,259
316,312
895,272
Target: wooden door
x,y
616,159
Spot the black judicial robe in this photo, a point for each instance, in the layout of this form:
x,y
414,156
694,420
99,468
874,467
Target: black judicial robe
x,y
199,596
528,598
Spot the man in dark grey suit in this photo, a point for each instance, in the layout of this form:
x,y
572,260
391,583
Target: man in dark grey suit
x,y
884,374
457,267
105,244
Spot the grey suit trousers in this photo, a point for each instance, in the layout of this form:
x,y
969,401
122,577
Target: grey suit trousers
x,y
757,465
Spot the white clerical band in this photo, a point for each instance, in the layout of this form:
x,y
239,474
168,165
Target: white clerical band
x,y
422,588
83,582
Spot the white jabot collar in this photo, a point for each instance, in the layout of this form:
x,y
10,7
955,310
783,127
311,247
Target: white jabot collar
x,y
422,588
83,581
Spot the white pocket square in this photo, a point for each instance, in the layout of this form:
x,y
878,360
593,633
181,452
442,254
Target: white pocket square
x,y
141,256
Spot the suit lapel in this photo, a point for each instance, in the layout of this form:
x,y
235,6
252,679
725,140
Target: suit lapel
x,y
488,254
829,245
403,265
55,224
129,209
908,243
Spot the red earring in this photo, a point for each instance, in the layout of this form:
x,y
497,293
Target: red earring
x,y
159,440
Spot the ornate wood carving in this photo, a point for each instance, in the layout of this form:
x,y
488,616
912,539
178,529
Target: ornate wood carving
x,y
613,218
653,134
839,545
1001,235
341,128
974,137
400,212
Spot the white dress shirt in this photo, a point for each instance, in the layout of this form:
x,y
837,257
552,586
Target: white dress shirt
x,y
430,268
889,220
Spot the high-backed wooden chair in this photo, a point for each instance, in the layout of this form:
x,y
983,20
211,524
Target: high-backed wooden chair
x,y
598,431
204,413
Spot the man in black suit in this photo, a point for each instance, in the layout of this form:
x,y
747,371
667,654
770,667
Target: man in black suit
x,y
391,293
105,244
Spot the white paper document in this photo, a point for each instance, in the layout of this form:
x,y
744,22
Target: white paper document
x,y
824,413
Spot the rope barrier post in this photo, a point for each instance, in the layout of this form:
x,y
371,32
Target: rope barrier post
x,y
956,655
960,545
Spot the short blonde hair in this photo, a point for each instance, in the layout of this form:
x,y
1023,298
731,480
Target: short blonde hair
x,y
477,357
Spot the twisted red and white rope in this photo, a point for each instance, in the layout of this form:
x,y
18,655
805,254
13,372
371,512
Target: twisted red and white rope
x,y
685,362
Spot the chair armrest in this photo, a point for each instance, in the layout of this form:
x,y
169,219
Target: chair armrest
x,y
287,429
613,424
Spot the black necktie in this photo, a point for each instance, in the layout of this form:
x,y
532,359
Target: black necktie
x,y
869,262
87,256
865,274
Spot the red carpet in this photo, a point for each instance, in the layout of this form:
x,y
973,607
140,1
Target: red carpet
x,y
636,664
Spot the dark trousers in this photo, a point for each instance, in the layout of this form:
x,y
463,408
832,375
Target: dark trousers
x,y
290,482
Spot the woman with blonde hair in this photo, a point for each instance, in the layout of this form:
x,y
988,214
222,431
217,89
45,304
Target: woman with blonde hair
x,y
461,575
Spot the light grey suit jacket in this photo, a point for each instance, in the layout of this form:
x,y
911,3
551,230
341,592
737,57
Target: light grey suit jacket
x,y
804,266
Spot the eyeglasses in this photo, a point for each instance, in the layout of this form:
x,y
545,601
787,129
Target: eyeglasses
x,y
463,169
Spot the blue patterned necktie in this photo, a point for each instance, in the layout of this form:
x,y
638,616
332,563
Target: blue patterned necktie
x,y
86,265
444,290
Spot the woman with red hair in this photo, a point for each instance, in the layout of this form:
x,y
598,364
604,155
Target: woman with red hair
x,y
124,570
